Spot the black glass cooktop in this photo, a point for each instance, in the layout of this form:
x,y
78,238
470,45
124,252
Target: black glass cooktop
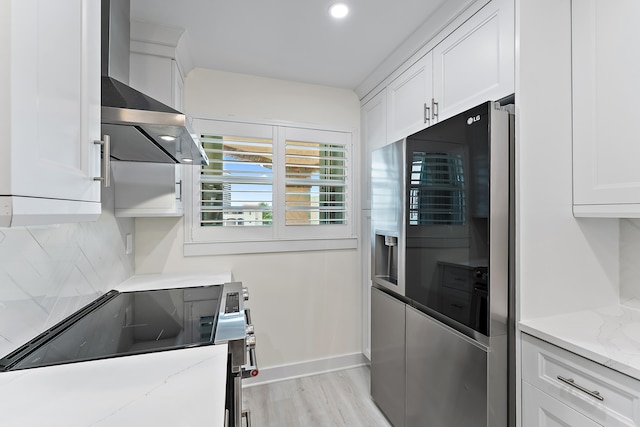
x,y
126,323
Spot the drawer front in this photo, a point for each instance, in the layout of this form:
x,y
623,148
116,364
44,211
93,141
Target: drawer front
x,y
578,382
542,410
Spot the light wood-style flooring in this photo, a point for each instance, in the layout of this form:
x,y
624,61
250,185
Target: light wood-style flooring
x,y
335,399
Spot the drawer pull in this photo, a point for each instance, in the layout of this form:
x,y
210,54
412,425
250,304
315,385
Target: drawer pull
x,y
572,383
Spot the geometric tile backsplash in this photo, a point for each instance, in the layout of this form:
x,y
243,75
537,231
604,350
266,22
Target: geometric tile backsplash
x,y
49,272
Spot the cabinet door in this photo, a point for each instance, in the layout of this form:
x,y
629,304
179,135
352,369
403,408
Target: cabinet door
x,y
409,100
153,76
548,368
374,135
541,410
147,189
55,99
476,62
388,355
606,66
178,88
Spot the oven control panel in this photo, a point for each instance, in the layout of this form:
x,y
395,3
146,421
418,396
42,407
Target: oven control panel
x,y
232,303
231,316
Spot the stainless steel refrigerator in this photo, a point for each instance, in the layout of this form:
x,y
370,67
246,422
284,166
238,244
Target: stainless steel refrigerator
x,y
440,315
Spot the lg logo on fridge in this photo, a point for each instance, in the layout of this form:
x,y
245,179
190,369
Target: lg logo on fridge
x,y
472,120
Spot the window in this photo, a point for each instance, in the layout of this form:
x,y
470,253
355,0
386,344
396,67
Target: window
x,y
270,188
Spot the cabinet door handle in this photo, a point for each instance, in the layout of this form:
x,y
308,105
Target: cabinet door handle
x,y
434,109
179,195
572,383
106,161
427,114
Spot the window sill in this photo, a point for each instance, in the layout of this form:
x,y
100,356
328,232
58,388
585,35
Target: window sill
x,y
234,248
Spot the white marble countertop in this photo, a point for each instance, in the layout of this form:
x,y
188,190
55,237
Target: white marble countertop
x,y
182,387
144,282
609,335
170,388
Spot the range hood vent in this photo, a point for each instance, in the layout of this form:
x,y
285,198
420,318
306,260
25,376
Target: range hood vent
x,y
141,128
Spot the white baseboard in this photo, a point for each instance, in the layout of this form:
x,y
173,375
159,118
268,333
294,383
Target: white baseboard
x,y
304,369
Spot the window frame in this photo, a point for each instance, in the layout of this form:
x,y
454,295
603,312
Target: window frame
x,y
199,240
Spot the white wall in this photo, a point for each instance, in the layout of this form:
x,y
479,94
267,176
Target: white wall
x,y
304,305
211,93
565,264
49,272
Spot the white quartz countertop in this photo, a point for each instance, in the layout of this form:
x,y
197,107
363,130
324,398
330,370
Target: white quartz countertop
x,y
182,387
609,336
169,388
145,282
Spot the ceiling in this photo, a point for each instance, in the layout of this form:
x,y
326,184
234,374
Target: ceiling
x,y
290,39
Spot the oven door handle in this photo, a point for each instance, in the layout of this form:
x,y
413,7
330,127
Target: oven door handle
x,y
250,369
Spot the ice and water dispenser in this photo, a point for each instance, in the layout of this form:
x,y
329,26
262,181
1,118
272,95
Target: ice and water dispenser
x,y
386,258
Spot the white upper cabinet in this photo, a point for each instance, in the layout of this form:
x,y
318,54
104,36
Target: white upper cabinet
x,y
147,189
472,64
475,63
409,99
158,77
49,111
373,116
152,189
606,66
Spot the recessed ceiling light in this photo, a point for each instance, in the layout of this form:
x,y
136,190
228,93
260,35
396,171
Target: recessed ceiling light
x,y
167,138
339,10
187,160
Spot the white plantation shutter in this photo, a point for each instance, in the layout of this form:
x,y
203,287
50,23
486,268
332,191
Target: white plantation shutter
x,y
270,187
237,186
316,183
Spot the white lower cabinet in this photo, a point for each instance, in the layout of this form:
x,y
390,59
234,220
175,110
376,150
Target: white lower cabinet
x,y
564,389
542,410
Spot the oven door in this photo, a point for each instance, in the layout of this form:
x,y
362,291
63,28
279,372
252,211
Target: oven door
x,y
235,328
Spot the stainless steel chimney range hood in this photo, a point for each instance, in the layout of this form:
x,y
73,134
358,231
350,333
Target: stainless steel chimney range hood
x,y
141,128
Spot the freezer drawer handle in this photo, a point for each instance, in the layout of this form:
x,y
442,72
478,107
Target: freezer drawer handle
x,y
106,160
572,383
247,416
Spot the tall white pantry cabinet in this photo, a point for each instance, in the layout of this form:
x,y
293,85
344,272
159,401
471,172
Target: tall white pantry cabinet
x,y
49,111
